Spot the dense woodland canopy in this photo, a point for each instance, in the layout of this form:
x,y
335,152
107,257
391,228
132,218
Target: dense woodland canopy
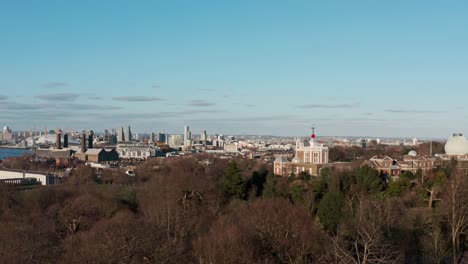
x,y
206,210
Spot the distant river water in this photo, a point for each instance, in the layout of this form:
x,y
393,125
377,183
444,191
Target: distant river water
x,y
12,152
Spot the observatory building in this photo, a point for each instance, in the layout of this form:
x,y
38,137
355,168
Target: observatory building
x,y
310,157
456,147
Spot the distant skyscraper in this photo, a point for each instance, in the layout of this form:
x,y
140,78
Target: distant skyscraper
x,y
90,139
175,140
186,134
203,136
65,140
152,137
120,135
163,137
188,142
83,141
106,132
128,134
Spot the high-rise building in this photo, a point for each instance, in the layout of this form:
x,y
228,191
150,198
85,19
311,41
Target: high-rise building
x,y
65,140
83,141
163,137
186,134
113,139
203,136
120,135
175,140
90,139
152,137
128,134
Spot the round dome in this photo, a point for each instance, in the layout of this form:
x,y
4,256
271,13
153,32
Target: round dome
x,y
413,153
456,145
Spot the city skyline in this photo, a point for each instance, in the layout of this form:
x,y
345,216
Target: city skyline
x,y
353,69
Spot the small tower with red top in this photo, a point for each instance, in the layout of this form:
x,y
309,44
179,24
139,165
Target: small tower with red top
x,y
312,137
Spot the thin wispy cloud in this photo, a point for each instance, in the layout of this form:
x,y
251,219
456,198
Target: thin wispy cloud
x,y
55,84
155,86
59,97
93,107
23,108
403,111
14,106
3,97
94,97
137,98
200,103
256,118
197,111
329,106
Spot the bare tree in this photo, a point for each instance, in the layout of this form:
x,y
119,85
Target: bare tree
x,y
455,205
361,240
266,231
434,243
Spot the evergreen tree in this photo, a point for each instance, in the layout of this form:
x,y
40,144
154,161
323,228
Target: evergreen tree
x,y
329,211
408,175
270,190
398,187
368,179
233,184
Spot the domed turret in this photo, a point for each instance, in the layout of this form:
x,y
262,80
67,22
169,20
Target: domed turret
x,y
413,153
456,145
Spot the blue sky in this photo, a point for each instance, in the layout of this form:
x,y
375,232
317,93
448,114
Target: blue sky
x,y
375,68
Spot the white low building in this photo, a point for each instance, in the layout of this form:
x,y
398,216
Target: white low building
x,y
136,152
15,176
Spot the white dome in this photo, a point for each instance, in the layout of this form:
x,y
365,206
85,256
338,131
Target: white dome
x,y
456,145
413,153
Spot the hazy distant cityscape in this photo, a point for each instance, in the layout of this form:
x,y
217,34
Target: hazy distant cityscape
x,y
233,132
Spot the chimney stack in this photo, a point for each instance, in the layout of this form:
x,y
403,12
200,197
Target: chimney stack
x,y
83,141
58,140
